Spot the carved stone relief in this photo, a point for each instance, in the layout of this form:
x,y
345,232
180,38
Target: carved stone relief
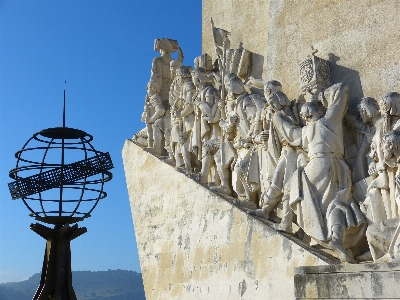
x,y
309,165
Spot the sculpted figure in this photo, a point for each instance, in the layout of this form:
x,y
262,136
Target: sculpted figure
x,y
384,240
206,131
321,191
286,133
238,152
384,236
359,137
175,103
157,116
246,169
389,105
377,191
183,115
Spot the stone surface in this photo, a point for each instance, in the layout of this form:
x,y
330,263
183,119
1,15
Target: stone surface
x,y
364,281
325,164
358,37
194,244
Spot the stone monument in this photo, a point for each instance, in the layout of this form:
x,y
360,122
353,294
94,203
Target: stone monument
x,y
273,173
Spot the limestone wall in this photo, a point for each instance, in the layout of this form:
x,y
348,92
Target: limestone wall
x,y
193,244
361,39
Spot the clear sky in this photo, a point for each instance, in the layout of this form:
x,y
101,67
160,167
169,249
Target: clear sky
x,y
104,50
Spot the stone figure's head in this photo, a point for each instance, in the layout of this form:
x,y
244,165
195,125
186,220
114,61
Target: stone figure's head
x,y
204,61
389,105
199,76
271,87
184,72
391,144
173,66
278,101
165,45
234,85
252,107
312,111
368,109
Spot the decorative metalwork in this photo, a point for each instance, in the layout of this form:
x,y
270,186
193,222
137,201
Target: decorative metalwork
x,y
54,190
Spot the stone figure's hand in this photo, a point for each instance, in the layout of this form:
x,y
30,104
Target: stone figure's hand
x,y
249,81
310,96
262,137
233,118
246,145
223,124
372,170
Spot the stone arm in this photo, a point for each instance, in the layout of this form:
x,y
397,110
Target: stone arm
x,y
255,83
229,126
372,167
187,95
291,133
187,110
156,73
337,109
215,114
210,96
180,55
205,108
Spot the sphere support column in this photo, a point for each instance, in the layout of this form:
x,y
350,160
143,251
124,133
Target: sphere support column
x,y
56,279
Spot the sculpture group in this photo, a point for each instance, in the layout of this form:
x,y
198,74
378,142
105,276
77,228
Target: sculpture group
x,y
311,161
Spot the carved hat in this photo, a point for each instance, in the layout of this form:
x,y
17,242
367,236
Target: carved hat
x,y
168,45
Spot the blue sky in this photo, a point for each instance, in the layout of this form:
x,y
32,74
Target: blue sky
x,y
104,50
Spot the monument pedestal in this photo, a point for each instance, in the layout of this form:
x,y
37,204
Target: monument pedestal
x,y
194,244
346,281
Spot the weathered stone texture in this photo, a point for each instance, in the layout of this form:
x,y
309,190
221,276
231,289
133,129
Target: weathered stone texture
x,y
359,37
365,281
194,245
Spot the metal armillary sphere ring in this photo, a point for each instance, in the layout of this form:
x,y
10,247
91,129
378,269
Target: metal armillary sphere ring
x,y
62,187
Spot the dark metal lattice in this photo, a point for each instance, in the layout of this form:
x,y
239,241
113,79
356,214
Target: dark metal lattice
x,y
60,176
